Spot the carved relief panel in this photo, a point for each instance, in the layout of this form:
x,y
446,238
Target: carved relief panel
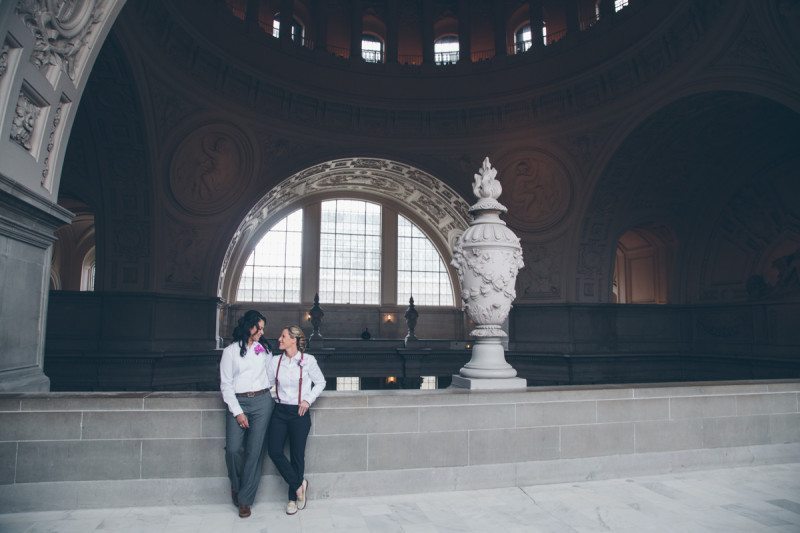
x,y
538,190
210,168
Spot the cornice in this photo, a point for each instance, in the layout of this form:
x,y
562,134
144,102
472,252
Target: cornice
x,y
609,84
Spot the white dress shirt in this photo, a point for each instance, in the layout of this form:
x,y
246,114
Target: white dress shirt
x,y
288,378
242,374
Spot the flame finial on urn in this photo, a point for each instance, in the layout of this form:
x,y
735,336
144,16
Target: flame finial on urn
x,y
487,189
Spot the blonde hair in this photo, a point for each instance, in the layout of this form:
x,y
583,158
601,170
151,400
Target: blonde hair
x,y
296,332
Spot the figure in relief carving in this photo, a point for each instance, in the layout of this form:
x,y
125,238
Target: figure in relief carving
x,y
788,281
24,121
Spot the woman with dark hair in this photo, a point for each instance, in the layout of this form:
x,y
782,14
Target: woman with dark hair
x,y
298,382
245,389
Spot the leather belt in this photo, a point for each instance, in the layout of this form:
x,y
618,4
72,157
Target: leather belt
x,y
251,394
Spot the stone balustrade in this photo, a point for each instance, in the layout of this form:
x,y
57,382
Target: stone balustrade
x,y
77,450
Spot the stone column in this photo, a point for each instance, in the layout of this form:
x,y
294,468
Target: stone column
x,y
251,12
356,30
606,9
499,17
27,232
43,71
428,57
392,31
287,20
464,31
537,23
487,257
320,8
573,17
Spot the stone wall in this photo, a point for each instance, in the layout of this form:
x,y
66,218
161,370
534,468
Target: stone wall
x,y
60,451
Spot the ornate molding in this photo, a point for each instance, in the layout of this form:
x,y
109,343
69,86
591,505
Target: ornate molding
x,y
61,30
540,278
675,42
51,143
186,250
436,203
4,59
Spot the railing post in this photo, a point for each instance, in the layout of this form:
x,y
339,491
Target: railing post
x,y
316,313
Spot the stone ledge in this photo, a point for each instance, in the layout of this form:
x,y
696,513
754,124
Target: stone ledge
x,y
22,497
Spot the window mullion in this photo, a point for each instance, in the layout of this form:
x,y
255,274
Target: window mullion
x,y
309,267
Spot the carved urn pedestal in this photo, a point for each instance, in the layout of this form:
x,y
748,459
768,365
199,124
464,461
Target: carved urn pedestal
x,y
487,257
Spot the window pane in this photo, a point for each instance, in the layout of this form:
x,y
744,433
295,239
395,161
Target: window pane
x,y
350,248
272,272
420,270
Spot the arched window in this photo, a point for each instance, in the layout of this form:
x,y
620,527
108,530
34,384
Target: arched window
x,y
445,50
351,233
350,252
522,39
371,48
420,270
273,270
298,31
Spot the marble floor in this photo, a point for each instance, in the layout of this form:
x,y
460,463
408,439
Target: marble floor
x,y
746,499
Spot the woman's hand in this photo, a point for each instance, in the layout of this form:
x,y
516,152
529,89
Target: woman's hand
x,y
302,408
241,419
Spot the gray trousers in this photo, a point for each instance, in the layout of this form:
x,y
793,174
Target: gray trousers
x,y
243,446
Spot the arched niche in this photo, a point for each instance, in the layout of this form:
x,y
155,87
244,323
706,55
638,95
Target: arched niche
x,y
643,265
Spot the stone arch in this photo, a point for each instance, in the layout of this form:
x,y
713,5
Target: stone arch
x,y
431,204
670,169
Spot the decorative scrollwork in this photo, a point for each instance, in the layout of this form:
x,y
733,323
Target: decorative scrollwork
x,y
60,29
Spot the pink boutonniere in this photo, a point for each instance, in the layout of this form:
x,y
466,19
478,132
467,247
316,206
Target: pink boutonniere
x,y
259,349
302,361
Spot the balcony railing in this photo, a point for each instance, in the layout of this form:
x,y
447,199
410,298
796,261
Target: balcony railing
x,y
445,58
372,56
266,24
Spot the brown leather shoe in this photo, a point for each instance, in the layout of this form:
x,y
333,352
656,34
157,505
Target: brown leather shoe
x,y
244,511
235,498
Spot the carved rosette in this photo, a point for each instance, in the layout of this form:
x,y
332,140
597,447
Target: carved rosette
x,y
487,257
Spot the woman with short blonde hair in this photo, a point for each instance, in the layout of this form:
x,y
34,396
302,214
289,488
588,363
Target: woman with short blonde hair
x,y
298,382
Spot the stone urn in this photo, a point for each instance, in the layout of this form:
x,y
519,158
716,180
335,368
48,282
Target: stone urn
x,y
487,257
